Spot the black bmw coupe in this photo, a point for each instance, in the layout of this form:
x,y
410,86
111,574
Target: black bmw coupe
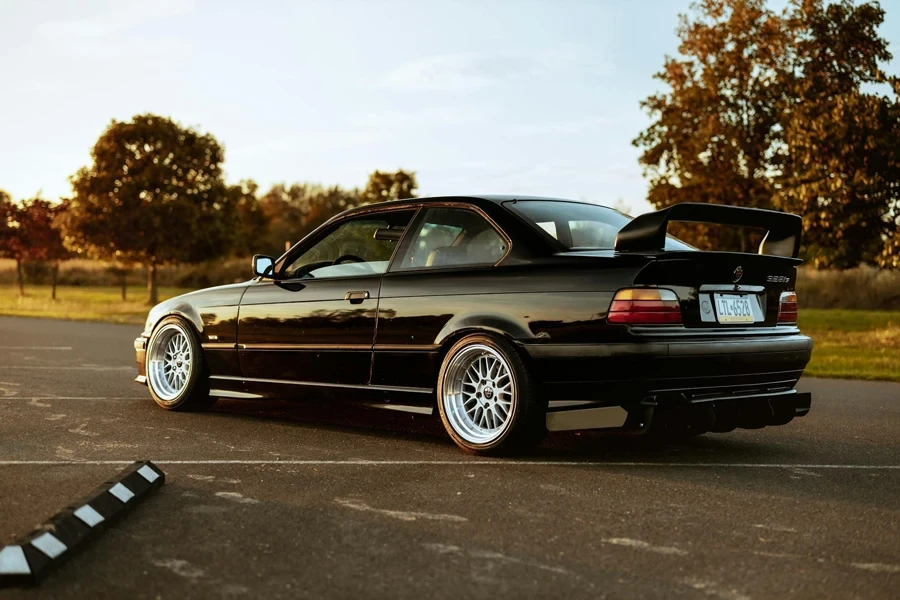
x,y
509,316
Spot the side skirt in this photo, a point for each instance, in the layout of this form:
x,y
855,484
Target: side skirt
x,y
407,399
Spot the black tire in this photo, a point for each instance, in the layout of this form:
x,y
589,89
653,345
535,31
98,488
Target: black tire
x,y
194,395
527,422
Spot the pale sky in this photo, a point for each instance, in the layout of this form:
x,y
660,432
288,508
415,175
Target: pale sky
x,y
486,96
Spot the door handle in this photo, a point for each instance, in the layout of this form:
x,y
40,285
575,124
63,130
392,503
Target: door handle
x,y
357,297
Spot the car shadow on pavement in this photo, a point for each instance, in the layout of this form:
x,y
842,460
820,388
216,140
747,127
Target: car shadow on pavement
x,y
587,446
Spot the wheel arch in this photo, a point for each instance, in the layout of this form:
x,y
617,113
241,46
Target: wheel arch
x,y
186,311
487,324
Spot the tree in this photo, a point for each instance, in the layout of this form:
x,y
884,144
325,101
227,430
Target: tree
x,y
41,240
389,186
284,209
766,109
11,243
154,195
842,170
292,212
250,221
713,135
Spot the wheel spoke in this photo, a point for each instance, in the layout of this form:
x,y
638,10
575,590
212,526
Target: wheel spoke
x,y
477,393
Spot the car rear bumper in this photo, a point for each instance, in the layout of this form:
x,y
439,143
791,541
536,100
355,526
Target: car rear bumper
x,y
722,384
616,374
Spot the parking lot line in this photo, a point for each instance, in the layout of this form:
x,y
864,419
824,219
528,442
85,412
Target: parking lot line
x,y
466,463
72,398
63,368
35,348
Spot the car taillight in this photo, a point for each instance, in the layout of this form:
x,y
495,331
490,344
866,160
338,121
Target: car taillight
x,y
645,307
787,307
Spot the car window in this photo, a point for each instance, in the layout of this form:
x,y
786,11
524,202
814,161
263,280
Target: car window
x,y
350,249
579,226
450,237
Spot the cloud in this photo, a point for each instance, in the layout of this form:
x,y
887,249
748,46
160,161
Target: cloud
x,y
119,17
474,70
391,120
307,142
572,127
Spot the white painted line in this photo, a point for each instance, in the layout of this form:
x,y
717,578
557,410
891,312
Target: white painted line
x,y
148,473
49,545
121,492
89,516
58,368
641,545
35,348
462,463
70,398
398,514
13,562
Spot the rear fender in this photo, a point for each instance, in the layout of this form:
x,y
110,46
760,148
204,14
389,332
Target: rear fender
x,y
482,323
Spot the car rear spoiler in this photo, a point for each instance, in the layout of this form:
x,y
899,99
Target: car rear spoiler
x,y
647,233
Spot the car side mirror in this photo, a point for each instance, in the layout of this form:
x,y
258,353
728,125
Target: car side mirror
x,y
264,266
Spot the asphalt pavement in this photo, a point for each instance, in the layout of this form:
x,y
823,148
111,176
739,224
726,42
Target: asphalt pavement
x,y
295,500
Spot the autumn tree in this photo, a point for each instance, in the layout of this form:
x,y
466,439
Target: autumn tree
x,y
293,211
250,221
11,243
153,195
842,162
769,109
40,237
384,185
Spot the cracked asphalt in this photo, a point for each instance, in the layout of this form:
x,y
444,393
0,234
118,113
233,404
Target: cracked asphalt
x,y
320,499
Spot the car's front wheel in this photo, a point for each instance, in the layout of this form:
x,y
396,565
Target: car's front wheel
x,y
487,399
176,371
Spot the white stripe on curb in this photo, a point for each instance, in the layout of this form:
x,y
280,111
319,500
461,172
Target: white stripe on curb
x,y
89,516
149,474
121,492
49,545
12,561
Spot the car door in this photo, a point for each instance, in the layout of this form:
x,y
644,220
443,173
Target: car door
x,y
316,322
444,271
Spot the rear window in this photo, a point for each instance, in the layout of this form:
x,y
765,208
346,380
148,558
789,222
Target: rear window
x,y
579,226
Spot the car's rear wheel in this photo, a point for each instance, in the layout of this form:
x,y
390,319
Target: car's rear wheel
x,y
176,372
487,399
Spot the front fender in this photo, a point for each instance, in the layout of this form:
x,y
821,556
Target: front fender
x,y
177,307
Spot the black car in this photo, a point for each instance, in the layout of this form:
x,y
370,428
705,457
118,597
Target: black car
x,y
510,316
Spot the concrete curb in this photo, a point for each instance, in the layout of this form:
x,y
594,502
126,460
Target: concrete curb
x,y
37,553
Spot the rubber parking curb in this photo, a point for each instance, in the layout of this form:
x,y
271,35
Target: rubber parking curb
x,y
33,556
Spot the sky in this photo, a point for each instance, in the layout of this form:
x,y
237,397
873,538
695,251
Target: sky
x,y
488,96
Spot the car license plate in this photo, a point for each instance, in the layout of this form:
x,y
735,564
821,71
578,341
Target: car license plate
x,y
734,308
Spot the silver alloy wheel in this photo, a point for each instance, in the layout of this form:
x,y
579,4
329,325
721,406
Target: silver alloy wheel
x,y
169,361
478,394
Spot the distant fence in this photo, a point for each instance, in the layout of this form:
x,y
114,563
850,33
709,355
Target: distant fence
x,y
862,287
96,273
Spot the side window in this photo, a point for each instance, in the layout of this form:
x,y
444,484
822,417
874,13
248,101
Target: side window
x,y
360,246
449,237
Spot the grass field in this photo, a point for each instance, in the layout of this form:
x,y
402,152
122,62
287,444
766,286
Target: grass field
x,y
81,303
857,344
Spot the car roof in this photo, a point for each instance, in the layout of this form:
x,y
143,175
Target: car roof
x,y
474,199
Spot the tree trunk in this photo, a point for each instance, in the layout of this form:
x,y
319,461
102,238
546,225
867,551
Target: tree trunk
x,y
20,277
151,285
54,274
122,282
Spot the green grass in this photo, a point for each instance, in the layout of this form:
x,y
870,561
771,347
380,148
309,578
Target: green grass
x,y
853,344
856,344
81,303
